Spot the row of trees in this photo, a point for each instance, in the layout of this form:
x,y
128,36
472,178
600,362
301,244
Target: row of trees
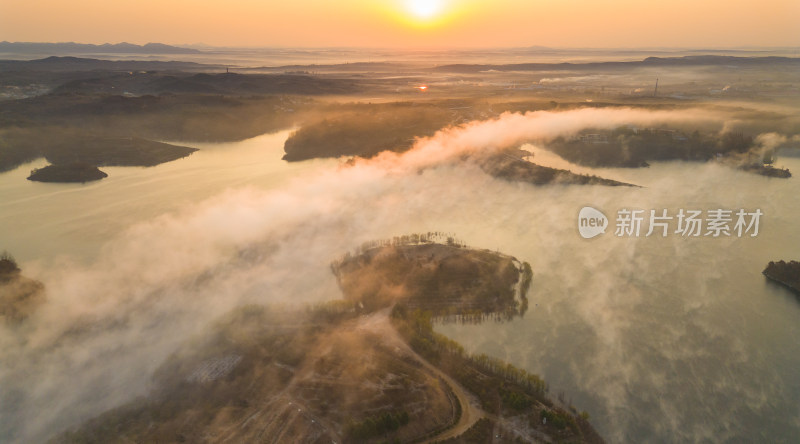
x,y
533,383
417,327
377,425
407,239
558,419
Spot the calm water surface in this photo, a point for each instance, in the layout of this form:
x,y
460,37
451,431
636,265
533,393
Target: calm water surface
x,y
659,339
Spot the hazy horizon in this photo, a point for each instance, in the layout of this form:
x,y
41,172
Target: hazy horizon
x,y
276,57
408,23
203,45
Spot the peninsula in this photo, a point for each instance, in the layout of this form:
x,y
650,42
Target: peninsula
x,y
365,368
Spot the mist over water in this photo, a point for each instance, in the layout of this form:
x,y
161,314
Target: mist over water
x,y
660,339
49,220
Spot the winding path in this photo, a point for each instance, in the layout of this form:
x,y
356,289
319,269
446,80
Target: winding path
x,y
379,323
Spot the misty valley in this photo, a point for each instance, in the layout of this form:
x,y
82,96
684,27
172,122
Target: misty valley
x,y
389,251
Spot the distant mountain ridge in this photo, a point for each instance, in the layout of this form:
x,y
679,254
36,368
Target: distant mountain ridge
x,y
692,60
72,47
71,64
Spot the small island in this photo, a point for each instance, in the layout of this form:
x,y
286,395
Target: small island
x,y
68,173
767,170
785,273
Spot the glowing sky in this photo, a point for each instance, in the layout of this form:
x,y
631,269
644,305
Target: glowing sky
x,y
407,23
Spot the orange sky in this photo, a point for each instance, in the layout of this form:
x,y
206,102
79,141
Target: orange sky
x,y
392,23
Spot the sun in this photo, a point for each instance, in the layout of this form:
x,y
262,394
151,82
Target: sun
x,y
424,9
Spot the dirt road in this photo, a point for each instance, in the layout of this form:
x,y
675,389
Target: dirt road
x,y
379,323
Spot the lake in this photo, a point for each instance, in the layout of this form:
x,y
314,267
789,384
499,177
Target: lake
x,y
657,338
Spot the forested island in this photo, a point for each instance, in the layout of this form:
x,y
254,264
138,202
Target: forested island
x,y
71,172
785,273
